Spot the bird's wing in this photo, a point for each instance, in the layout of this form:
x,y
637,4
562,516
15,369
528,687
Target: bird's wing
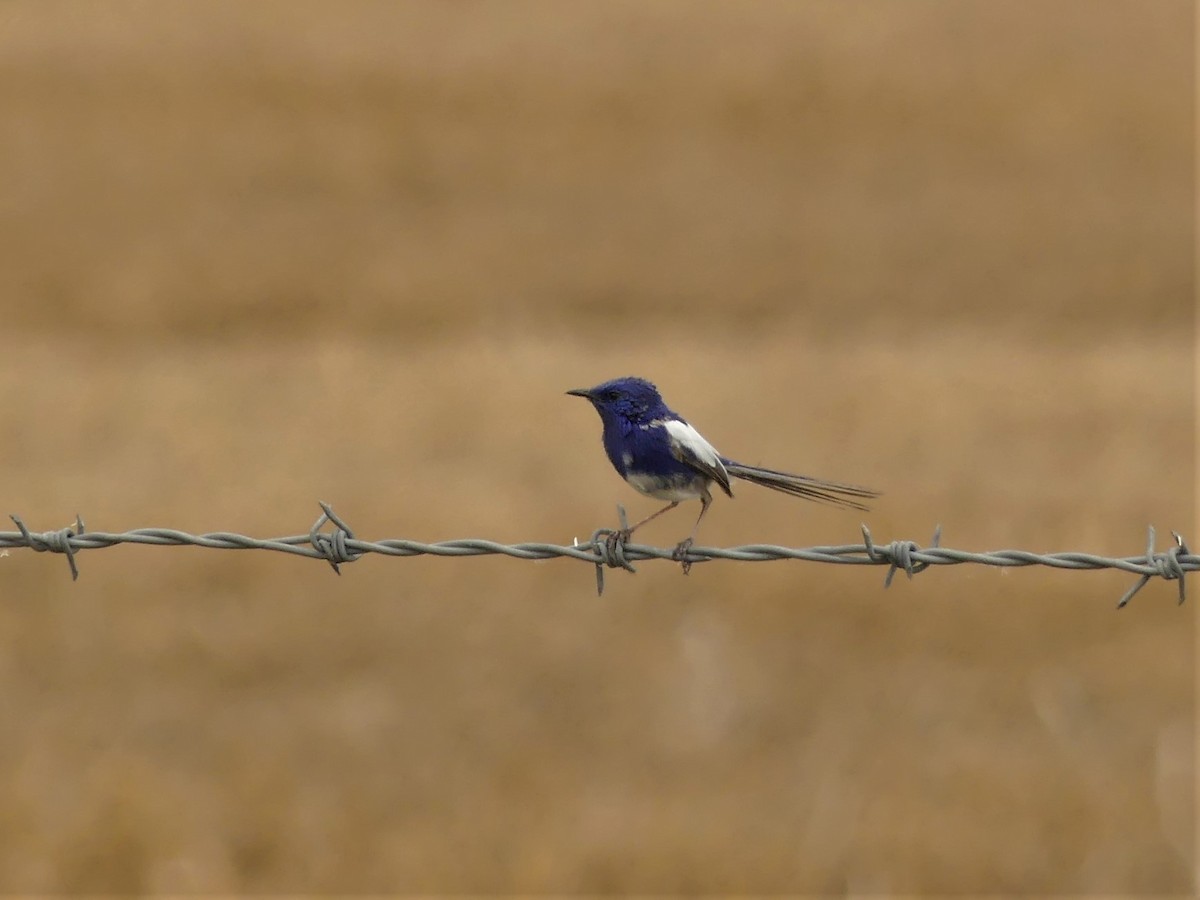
x,y
689,447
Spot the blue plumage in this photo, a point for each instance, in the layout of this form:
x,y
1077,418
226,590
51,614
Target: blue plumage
x,y
660,454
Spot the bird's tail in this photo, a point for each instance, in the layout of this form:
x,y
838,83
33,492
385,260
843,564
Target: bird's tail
x,y
818,489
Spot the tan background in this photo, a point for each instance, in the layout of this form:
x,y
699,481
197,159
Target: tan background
x,y
256,255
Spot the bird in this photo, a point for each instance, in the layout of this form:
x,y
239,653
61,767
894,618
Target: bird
x,y
661,455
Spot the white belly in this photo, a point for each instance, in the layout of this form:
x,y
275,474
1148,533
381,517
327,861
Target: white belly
x,y
661,489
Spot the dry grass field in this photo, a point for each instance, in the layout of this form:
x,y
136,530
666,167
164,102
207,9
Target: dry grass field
x,y
257,255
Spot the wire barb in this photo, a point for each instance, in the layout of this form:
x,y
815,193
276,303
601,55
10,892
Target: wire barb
x,y
53,541
332,546
899,554
611,551
1166,566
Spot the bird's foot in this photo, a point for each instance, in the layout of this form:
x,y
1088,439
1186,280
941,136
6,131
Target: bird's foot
x,y
681,554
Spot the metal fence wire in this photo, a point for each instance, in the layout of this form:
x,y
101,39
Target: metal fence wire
x,y
608,548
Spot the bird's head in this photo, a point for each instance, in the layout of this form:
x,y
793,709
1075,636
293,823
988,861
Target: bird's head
x,y
632,399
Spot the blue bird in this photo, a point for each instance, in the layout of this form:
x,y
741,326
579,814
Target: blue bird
x,y
660,454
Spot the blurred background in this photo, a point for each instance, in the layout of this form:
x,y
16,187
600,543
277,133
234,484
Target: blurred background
x,y
257,255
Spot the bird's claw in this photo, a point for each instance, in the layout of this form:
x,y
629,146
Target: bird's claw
x,y
681,554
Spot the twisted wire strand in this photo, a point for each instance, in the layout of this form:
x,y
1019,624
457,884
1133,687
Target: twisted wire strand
x,y
608,548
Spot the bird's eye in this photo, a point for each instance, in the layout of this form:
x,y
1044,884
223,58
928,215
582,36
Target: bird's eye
x,y
612,396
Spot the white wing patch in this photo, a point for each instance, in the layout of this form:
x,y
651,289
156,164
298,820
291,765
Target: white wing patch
x,y
690,446
690,440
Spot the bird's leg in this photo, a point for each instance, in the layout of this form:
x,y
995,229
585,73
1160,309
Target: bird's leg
x,y
680,554
623,535
632,528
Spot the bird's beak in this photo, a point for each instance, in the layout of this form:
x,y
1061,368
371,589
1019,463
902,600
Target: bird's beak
x,y
581,392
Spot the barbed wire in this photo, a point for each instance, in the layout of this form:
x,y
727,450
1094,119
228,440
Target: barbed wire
x,y
608,548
